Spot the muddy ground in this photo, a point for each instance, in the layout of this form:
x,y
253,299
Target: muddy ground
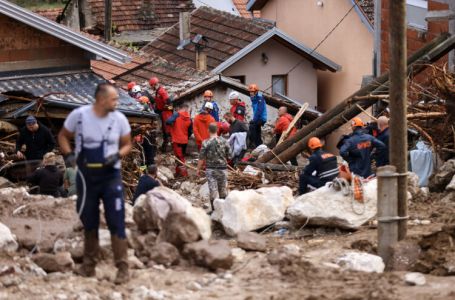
x,y
38,222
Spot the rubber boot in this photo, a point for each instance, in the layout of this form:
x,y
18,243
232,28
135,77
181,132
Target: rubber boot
x,y
120,249
91,250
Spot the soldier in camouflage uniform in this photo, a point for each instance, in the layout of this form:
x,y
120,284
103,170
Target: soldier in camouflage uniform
x,y
215,153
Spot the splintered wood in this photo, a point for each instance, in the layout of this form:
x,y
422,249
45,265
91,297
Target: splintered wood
x,y
241,181
432,108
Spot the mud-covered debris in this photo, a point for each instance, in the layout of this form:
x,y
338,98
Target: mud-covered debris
x,y
284,255
440,179
60,262
165,254
404,255
213,254
251,241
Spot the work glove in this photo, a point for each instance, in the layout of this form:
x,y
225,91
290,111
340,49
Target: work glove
x,y
111,160
70,159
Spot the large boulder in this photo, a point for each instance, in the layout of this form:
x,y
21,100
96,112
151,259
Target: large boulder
x,y
327,207
177,221
8,242
165,254
213,254
252,209
440,179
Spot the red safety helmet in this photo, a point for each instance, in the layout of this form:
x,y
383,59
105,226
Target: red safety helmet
x,y
253,87
357,122
314,143
131,85
153,81
208,93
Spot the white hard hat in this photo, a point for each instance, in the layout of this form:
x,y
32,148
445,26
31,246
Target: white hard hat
x,y
136,89
234,95
208,105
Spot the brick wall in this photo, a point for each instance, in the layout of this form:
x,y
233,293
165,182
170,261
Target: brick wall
x,y
416,38
23,45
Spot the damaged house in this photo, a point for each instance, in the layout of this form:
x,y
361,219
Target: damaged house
x,y
45,68
233,51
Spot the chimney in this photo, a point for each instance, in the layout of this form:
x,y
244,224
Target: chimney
x,y
201,59
184,28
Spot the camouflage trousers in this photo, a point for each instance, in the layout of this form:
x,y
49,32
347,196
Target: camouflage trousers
x,y
217,180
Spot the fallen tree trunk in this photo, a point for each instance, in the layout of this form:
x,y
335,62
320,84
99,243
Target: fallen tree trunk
x,y
426,115
417,63
341,107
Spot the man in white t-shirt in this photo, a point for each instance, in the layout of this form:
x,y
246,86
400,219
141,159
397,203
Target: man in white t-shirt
x,y
102,137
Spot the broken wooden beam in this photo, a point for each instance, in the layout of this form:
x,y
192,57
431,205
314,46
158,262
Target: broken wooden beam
x,y
426,115
330,121
341,107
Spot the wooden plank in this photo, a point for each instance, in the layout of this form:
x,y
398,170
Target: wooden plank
x,y
296,118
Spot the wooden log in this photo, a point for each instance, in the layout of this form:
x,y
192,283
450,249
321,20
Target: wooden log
x,y
377,86
272,167
7,127
426,115
298,142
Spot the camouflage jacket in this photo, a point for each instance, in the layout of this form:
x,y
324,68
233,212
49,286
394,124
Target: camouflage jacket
x,y
215,151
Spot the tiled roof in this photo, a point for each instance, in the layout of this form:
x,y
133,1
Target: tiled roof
x,y
175,77
50,14
226,34
109,69
367,7
74,89
241,7
140,14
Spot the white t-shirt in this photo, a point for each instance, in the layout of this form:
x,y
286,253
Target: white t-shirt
x,y
95,129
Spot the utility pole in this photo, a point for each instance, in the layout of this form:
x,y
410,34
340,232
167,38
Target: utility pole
x,y
107,20
398,103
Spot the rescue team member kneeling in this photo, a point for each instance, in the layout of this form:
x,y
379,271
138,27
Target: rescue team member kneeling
x,y
325,164
102,137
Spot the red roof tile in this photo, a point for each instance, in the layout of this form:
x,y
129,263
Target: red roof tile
x,y
174,76
140,14
110,69
226,34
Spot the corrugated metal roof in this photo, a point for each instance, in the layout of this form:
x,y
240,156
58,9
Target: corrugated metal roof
x,y
68,90
61,32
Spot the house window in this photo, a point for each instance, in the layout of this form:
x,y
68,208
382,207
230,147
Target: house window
x,y
416,11
280,84
242,78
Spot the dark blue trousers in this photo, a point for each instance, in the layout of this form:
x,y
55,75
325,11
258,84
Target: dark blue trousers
x,y
110,190
305,180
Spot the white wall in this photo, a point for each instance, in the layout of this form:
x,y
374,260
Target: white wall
x,y
302,81
224,5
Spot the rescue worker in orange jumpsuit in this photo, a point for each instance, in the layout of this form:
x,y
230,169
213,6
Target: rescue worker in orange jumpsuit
x,y
281,125
163,107
201,124
181,127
